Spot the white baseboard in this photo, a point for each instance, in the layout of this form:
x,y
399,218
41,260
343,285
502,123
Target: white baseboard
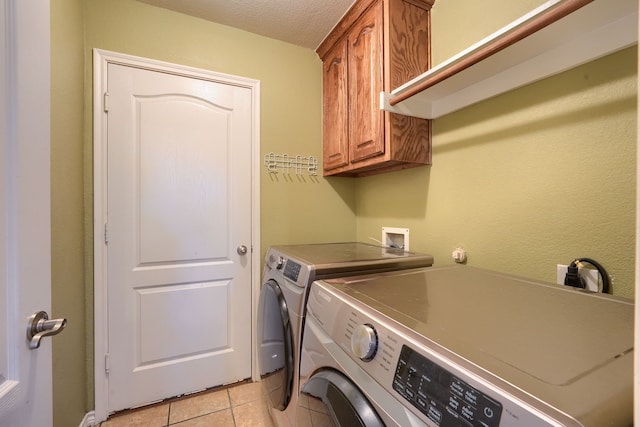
x,y
88,420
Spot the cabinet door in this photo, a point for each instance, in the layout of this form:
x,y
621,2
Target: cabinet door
x,y
365,83
335,150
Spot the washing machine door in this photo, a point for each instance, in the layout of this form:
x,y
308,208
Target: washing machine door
x,y
275,345
345,403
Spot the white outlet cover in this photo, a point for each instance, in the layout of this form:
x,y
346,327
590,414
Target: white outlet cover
x,y
395,237
589,275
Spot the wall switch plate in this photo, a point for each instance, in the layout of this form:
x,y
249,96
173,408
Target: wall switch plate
x,y
395,237
588,275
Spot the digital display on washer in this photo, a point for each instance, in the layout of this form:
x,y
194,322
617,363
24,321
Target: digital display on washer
x,y
441,396
292,270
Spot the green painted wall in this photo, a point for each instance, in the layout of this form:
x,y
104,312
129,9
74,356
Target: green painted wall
x,y
458,24
527,180
293,209
69,281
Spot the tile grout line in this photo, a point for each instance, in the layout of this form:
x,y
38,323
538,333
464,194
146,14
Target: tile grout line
x,y
230,408
233,415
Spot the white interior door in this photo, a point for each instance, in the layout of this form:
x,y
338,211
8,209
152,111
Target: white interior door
x,y
178,234
25,258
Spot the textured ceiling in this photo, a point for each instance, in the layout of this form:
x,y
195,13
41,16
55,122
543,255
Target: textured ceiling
x,y
300,22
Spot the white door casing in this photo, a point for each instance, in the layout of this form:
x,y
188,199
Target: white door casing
x,y
174,298
25,251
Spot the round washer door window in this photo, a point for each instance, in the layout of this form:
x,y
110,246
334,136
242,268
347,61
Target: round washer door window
x,y
275,345
343,401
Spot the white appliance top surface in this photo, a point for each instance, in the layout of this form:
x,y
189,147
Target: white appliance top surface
x,y
505,324
350,256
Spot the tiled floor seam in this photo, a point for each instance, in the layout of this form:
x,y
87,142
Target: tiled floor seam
x,y
231,406
233,413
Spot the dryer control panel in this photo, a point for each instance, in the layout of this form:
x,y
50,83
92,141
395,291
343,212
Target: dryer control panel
x,y
444,398
292,270
278,264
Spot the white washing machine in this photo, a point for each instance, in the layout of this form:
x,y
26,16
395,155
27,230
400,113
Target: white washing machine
x,y
288,272
460,346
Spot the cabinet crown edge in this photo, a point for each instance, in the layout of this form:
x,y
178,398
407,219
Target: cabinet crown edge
x,y
351,16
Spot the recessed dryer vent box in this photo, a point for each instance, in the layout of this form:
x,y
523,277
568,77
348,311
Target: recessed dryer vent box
x,y
395,237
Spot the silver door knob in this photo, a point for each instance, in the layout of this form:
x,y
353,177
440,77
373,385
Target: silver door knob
x,y
242,250
40,326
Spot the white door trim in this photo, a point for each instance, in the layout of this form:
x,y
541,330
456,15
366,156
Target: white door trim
x,y
101,59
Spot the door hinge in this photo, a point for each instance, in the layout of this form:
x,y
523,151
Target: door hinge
x,y
105,102
106,234
107,364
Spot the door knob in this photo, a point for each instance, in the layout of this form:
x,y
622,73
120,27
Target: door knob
x,y
242,250
40,326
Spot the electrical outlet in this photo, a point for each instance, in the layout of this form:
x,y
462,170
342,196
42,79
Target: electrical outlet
x,y
588,275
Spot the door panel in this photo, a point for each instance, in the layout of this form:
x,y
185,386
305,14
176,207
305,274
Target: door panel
x,y
163,338
179,204
188,175
25,229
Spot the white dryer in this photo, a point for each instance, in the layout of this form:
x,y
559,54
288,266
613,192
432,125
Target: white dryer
x,y
465,347
288,272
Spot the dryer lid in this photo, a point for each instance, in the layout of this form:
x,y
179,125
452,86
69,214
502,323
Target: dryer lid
x,y
505,324
331,259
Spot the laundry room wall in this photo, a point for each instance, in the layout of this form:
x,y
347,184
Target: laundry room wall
x,y
527,180
294,209
69,281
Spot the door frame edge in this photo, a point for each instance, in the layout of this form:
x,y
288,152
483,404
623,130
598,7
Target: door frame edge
x,y
101,59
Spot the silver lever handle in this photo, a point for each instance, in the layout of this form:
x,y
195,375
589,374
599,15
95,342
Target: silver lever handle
x,y
40,326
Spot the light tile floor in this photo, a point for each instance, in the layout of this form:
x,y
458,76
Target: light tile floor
x,y
235,406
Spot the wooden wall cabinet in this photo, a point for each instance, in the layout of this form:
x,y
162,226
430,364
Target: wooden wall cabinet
x,y
377,46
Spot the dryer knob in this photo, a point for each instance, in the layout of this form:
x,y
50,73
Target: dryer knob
x,y
364,342
280,263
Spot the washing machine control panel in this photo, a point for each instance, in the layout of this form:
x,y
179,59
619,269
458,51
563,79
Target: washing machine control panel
x,y
444,398
292,270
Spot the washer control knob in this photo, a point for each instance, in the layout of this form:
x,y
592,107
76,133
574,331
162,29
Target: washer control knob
x,y
280,263
364,342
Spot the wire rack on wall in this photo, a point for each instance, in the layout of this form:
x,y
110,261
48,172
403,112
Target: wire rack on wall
x,y
287,165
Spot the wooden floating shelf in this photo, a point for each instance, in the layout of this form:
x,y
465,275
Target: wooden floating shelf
x,y
557,36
